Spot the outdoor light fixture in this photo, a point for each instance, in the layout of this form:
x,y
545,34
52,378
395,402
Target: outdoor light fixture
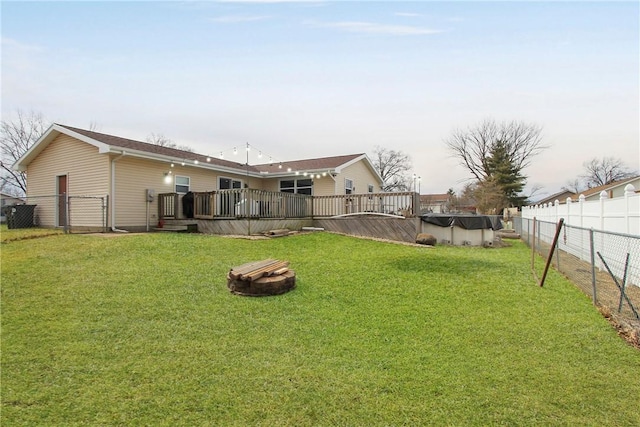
x,y
195,162
208,158
167,177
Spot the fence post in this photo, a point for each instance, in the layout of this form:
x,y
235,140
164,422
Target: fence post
x,y
603,196
629,190
105,213
533,244
581,200
593,266
67,214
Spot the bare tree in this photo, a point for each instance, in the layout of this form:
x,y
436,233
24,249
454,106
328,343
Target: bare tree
x,y
604,171
16,138
574,185
474,146
163,141
497,153
393,166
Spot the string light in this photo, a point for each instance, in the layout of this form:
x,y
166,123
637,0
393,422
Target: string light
x,y
272,162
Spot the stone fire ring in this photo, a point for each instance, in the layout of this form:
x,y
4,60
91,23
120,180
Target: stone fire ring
x,y
264,286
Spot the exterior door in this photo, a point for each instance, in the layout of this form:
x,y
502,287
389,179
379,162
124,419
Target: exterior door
x,y
63,189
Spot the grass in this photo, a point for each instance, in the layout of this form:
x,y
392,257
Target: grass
x,y
141,330
9,235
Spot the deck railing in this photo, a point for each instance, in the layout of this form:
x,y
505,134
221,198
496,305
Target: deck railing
x,y
402,204
251,203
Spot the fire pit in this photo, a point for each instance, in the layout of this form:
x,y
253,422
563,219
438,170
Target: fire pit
x,y
261,278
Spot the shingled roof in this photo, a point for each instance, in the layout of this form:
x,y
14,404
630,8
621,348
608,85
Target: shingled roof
x,y
178,154
320,164
115,144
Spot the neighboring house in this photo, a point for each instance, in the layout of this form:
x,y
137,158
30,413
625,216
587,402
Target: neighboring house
x,y
435,203
613,190
68,160
561,196
8,200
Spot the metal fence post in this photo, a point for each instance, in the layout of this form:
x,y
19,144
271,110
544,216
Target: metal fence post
x,y
67,214
593,266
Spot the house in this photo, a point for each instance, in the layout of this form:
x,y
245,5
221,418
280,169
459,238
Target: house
x,y
8,200
435,203
561,196
71,161
612,190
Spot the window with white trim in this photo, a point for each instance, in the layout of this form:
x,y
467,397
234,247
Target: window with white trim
x,y
348,186
182,184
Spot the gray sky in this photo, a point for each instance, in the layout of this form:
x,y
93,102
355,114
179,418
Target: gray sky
x,y
313,79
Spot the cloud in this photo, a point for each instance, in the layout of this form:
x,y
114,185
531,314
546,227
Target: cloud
x,y
375,28
235,19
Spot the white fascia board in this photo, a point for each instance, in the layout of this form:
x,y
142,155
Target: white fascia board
x,y
349,163
101,146
47,137
367,162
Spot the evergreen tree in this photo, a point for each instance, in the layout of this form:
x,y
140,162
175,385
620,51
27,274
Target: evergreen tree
x,y
505,175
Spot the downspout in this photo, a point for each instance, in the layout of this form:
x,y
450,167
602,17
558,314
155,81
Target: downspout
x,y
113,194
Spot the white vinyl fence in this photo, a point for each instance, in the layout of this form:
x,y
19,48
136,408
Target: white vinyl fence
x,y
617,215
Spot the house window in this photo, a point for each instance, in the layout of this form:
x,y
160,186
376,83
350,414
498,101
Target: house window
x,y
370,188
297,186
182,184
348,186
228,184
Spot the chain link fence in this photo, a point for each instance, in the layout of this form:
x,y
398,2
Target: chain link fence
x,y
73,214
604,265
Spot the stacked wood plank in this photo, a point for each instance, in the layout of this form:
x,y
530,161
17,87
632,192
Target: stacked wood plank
x,y
259,278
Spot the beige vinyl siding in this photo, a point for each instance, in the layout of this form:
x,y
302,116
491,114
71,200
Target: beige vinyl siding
x,y
87,175
361,176
323,186
134,176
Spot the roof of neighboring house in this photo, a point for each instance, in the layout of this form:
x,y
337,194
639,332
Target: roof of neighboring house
x,y
118,145
610,186
561,197
434,198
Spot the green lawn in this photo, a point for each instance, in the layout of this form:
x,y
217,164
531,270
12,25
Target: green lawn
x,y
141,330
